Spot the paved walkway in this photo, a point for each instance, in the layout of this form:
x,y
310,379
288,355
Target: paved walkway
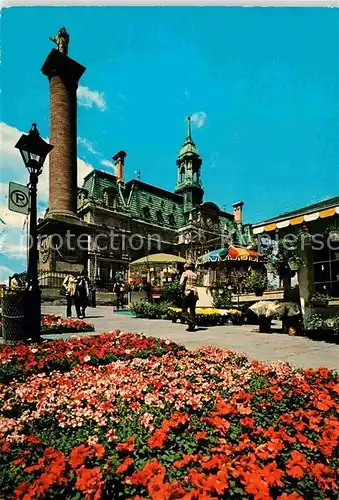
x,y
299,351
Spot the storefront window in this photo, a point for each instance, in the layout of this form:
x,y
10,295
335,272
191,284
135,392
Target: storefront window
x,y
326,271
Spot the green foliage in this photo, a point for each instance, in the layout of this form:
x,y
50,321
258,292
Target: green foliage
x,y
222,298
150,310
321,323
256,282
172,293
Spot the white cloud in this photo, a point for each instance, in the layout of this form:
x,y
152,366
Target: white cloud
x,y
13,237
88,145
5,272
107,163
89,98
186,94
199,119
83,169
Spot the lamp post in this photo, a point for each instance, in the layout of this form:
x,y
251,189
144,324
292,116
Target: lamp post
x,y
34,151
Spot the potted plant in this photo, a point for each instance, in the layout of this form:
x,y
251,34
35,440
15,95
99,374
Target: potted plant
x,y
295,262
256,282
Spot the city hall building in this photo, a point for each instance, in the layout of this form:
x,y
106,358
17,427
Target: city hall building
x,y
110,221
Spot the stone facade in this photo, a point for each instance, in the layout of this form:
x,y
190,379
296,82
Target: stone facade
x,y
110,221
129,220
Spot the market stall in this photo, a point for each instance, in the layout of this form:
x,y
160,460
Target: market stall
x,y
231,266
149,275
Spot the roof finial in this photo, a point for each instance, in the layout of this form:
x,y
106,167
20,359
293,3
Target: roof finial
x,y
189,136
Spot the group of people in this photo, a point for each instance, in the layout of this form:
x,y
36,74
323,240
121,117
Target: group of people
x,y
77,289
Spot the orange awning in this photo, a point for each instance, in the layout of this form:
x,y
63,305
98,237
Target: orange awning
x,y
237,253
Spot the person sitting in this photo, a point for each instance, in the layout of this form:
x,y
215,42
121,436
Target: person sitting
x,y
188,282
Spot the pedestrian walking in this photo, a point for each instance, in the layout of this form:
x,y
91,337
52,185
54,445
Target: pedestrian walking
x,y
82,294
188,282
69,288
119,290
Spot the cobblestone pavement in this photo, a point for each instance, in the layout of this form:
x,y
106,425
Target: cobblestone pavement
x,y
299,351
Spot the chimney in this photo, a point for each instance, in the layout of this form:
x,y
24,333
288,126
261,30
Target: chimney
x,y
237,211
119,166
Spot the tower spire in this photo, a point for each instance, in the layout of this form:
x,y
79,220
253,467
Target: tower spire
x,y
189,171
189,131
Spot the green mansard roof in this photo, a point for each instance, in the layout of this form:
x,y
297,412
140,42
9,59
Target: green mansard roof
x,y
141,195
98,182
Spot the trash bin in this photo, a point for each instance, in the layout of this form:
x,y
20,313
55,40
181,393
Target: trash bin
x,y
13,315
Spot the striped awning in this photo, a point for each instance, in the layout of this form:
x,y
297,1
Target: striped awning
x,y
231,253
329,212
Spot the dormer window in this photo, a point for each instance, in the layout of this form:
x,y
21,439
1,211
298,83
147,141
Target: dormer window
x,y
110,199
147,212
171,219
160,218
150,200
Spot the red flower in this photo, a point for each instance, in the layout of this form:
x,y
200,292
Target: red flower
x,y
247,422
127,445
297,465
90,482
125,465
200,435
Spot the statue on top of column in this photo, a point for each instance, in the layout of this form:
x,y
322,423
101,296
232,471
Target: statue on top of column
x,y
61,40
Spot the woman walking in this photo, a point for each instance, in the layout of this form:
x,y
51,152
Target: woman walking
x,y
69,285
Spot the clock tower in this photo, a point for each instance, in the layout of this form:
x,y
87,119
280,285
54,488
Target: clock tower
x,y
189,172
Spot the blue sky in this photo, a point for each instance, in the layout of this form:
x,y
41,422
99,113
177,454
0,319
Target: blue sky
x,y
262,84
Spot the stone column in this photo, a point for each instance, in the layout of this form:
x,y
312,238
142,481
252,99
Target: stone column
x,y
63,74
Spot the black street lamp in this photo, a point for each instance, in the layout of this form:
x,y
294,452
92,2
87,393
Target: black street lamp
x,y
34,151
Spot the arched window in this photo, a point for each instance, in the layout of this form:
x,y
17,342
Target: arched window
x,y
182,174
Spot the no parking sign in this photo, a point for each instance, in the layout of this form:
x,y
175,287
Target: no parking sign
x,y
18,198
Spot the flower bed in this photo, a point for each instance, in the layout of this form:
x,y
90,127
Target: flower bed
x,y
51,323
191,425
209,316
23,360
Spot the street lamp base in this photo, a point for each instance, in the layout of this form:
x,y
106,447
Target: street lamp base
x,y
33,314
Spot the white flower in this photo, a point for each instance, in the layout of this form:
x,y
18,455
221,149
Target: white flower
x,y
87,358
